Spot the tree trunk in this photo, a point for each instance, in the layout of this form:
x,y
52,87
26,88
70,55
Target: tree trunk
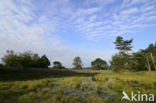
x,y
153,61
148,64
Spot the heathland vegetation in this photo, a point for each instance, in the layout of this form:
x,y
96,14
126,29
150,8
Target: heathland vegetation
x,y
27,78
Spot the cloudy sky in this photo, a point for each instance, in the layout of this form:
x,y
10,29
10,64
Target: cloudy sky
x,y
63,29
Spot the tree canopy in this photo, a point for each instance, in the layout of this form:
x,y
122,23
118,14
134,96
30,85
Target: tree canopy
x,y
57,65
24,60
77,63
123,45
144,59
44,62
99,64
120,61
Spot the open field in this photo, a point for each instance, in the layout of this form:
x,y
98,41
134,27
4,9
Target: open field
x,y
64,86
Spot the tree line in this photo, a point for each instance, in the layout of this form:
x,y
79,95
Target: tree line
x,y
144,59
24,60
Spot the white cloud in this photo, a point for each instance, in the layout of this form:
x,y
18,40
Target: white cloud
x,y
151,18
129,11
92,18
137,1
22,30
42,19
122,18
148,8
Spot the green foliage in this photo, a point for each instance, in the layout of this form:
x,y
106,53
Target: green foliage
x,y
144,59
123,45
141,60
99,64
77,63
120,62
1,66
57,65
24,60
151,52
137,62
44,62
36,60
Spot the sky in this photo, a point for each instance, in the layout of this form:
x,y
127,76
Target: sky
x,y
63,29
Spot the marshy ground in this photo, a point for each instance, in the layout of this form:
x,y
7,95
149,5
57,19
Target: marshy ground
x,y
65,86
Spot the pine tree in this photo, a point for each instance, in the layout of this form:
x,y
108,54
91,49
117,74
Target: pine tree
x,y
123,45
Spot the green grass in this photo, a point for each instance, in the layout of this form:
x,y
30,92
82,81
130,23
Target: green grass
x,y
65,86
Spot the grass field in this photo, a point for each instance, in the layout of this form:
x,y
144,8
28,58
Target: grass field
x,y
65,86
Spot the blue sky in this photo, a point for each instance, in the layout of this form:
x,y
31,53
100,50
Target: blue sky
x,y
63,29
